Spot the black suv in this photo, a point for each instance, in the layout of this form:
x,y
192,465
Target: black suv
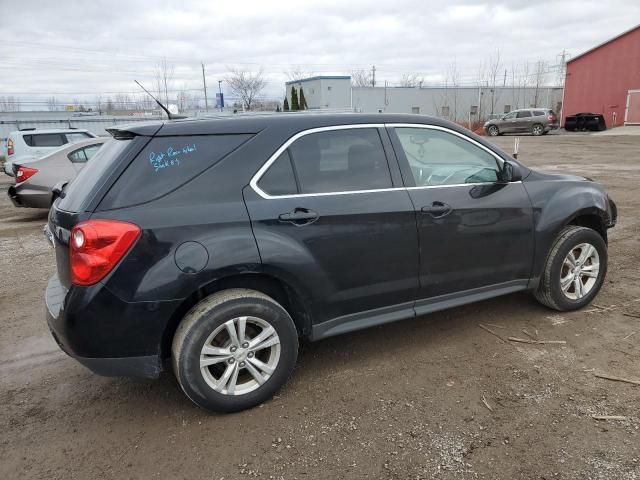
x,y
218,243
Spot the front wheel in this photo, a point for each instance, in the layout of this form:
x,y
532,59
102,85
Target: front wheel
x,y
574,270
493,131
234,350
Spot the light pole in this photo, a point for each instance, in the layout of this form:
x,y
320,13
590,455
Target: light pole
x,y
220,90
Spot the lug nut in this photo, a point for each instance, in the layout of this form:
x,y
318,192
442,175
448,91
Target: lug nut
x,y
231,360
250,354
245,345
234,348
242,364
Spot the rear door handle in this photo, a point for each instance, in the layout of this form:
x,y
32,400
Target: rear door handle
x,y
437,209
299,216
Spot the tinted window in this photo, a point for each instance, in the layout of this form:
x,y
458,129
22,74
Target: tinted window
x,y
279,179
538,113
166,163
91,150
340,161
28,139
524,114
47,140
79,189
510,116
441,158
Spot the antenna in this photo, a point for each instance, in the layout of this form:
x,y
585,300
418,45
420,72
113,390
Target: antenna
x,y
157,101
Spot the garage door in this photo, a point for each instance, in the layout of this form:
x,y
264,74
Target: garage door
x,y
632,115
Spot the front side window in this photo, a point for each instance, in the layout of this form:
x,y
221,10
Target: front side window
x,y
76,137
524,114
437,157
340,161
510,116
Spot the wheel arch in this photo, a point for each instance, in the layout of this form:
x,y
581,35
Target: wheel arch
x,y
278,289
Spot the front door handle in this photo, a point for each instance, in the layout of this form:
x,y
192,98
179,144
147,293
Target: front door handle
x,y
437,209
299,216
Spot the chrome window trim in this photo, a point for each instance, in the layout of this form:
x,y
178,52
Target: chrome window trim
x,y
258,175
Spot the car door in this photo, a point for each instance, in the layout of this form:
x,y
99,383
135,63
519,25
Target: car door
x,y
475,231
508,123
331,216
523,121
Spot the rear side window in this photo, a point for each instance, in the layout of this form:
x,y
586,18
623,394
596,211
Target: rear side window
x,y
46,140
340,161
524,114
167,163
77,156
88,179
279,179
77,137
538,113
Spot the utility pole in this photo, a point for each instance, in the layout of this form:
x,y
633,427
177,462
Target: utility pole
x,y
373,76
504,82
204,84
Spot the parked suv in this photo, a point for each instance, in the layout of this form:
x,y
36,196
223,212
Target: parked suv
x,y
31,143
217,244
537,121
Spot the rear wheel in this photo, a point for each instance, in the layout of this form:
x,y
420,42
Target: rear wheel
x,y
537,129
493,131
575,269
234,350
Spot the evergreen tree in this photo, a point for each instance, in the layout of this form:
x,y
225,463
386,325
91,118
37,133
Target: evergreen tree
x,y
303,101
294,99
286,105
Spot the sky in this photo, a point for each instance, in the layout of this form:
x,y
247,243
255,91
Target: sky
x,y
81,50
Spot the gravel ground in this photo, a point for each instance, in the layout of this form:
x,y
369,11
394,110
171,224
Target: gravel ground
x,y
399,401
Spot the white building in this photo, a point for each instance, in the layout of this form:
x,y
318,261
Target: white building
x,y
455,104
326,92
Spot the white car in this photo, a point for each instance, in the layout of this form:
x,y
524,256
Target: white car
x,y
31,144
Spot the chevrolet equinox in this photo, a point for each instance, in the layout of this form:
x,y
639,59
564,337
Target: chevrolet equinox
x,y
214,245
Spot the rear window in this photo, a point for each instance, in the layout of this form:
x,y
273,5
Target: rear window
x,y
95,170
45,140
167,163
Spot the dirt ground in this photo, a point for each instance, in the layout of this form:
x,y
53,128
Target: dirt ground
x,y
400,401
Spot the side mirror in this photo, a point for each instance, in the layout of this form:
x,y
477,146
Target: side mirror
x,y
511,172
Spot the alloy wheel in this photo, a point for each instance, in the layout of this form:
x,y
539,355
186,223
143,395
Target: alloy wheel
x,y
240,355
579,272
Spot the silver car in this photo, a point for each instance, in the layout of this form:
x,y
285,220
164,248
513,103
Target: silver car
x,y
35,180
536,121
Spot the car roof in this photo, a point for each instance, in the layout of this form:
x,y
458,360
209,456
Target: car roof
x,y
252,124
48,130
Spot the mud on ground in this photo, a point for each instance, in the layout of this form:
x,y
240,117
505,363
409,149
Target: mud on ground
x,y
399,401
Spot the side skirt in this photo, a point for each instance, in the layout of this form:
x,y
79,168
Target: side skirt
x,y
393,313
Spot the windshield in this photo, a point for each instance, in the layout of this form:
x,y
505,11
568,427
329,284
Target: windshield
x,y
96,170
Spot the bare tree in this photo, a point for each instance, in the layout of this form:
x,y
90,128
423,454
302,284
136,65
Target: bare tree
x,y
539,78
297,73
163,75
361,78
9,104
411,80
52,104
493,70
246,85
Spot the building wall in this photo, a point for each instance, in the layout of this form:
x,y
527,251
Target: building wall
x,y
454,104
599,80
323,92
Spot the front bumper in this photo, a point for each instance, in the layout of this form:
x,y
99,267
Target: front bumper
x,y
107,335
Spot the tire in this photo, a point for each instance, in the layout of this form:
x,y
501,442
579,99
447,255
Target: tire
x,y
205,385
537,129
550,291
493,131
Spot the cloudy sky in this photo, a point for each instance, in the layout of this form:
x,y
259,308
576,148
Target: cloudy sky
x,y
79,50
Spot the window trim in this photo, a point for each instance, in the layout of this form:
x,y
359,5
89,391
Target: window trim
x,y
256,178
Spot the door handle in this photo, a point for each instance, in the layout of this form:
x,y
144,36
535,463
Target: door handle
x,y
299,217
437,209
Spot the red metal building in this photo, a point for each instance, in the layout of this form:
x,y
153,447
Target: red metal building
x,y
606,80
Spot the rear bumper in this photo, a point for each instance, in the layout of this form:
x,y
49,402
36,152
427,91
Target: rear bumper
x,y
23,195
551,126
105,334
13,196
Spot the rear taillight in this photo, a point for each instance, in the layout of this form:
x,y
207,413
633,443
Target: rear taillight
x,y
25,173
552,118
9,147
96,246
